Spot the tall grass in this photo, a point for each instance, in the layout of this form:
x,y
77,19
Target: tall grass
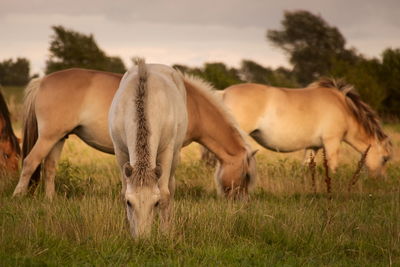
x,y
284,222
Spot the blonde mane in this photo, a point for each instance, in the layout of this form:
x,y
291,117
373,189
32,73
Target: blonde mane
x,y
361,111
209,92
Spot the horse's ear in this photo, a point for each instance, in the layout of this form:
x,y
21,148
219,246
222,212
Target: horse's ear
x,y
254,152
127,168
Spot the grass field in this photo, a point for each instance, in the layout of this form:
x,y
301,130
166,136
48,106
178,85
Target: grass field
x,y
284,224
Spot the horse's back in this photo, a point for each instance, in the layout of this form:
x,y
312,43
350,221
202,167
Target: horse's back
x,y
289,119
166,106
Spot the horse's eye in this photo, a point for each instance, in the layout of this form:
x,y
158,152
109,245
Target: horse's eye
x,y
6,156
129,204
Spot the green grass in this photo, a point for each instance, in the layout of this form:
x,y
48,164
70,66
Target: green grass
x,y
283,224
85,224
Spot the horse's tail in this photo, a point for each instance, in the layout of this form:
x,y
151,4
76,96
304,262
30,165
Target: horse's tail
x,y
30,127
362,112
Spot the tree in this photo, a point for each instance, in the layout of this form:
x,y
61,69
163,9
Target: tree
x,y
390,79
311,44
69,49
364,76
218,74
253,72
14,72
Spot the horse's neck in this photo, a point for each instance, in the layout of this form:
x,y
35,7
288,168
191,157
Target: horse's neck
x,y
209,126
357,138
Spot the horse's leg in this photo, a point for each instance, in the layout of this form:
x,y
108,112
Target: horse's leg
x,y
309,154
50,166
39,151
207,156
166,160
331,146
171,184
122,158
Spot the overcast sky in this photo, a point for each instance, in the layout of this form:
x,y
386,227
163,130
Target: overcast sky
x,y
189,32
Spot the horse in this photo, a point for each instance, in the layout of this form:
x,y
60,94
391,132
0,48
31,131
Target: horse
x,y
322,115
148,122
77,101
9,144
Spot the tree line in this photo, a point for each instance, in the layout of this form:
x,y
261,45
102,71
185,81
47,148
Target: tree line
x,y
313,47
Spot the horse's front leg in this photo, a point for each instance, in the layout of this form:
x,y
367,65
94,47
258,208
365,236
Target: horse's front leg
x,y
167,161
122,158
331,146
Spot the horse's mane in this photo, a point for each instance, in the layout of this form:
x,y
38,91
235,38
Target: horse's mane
x,y
7,131
214,96
362,112
142,172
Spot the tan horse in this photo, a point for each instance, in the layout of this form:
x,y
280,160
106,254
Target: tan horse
x,y
9,145
148,122
77,101
320,116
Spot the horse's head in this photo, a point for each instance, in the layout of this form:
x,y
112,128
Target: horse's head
x,y
236,177
379,153
142,198
9,155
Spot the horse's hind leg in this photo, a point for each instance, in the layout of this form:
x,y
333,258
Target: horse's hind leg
x,y
309,154
50,164
39,151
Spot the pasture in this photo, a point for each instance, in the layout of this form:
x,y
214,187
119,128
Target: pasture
x,y
284,223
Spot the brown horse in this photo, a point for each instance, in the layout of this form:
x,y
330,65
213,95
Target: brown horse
x,y
9,145
77,101
319,116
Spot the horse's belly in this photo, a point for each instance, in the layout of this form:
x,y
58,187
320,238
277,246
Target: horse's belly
x,y
96,138
286,139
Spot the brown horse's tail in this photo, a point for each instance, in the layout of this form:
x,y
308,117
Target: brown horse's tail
x,y
30,127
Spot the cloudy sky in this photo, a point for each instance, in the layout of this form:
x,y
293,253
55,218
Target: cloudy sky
x,y
189,32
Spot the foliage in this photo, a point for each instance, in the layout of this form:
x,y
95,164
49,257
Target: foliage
x,y
390,79
311,44
317,49
69,49
256,73
218,74
14,73
364,76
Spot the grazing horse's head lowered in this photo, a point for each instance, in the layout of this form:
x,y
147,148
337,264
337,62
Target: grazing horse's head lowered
x,y
142,198
9,145
236,177
368,129
212,125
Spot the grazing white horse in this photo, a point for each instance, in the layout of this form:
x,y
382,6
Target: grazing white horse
x,y
148,122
